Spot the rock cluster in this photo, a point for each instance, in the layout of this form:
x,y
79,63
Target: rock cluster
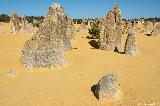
x,y
130,46
148,28
71,30
46,48
140,25
156,29
27,27
110,37
1,29
124,30
108,88
15,23
128,26
83,24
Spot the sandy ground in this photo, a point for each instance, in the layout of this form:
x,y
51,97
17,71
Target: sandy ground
x,y
71,84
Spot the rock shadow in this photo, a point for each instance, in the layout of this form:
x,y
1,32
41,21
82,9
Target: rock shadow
x,y
94,44
148,34
74,48
94,91
117,51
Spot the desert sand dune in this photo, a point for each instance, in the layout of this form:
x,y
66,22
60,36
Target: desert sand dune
x,y
71,84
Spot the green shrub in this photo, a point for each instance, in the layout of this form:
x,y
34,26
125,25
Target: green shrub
x,y
4,18
94,31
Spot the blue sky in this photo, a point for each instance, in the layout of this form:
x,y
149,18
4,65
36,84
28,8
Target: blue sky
x,y
83,8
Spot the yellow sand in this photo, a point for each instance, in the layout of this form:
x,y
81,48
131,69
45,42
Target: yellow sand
x,y
71,84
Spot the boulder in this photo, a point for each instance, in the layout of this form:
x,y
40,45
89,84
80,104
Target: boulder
x,y
108,88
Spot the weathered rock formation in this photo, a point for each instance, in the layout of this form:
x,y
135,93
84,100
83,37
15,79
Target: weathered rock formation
x,y
46,48
1,29
130,46
27,27
129,26
71,30
148,28
156,29
124,24
83,24
15,23
140,25
108,88
30,29
110,37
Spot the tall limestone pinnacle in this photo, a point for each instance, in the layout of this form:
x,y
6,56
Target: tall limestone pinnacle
x,y
156,29
46,48
112,25
130,45
15,23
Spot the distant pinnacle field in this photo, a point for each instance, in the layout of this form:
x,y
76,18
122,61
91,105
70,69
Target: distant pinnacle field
x,y
71,84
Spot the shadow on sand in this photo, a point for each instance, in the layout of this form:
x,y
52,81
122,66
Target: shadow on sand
x,y
148,34
93,89
74,48
94,44
116,50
